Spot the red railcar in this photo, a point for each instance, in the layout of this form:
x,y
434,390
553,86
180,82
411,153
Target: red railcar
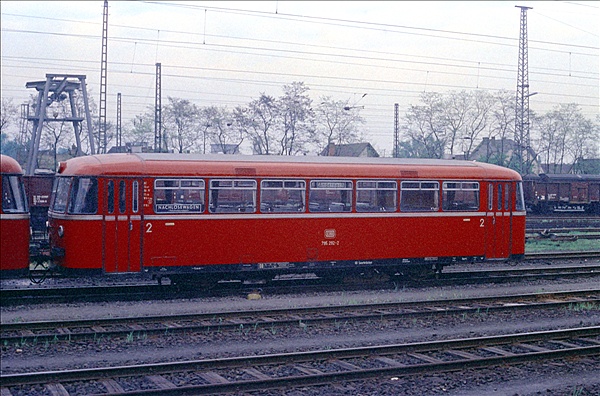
x,y
174,214
14,220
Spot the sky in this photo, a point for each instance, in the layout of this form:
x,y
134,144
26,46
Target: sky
x,y
227,53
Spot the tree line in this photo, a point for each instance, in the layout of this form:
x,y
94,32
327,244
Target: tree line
x,y
439,125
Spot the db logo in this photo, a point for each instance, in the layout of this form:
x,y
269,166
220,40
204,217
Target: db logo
x,y
329,234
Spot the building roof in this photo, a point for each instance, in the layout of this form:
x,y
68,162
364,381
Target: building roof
x,y
349,150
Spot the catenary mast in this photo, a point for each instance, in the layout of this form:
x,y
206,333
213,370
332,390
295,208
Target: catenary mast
x,y
102,141
522,143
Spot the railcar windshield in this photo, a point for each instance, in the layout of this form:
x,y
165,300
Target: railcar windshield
x,y
84,197
376,196
460,196
13,195
419,196
60,193
330,196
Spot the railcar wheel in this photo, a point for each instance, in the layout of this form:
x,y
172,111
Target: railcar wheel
x,y
329,277
195,282
420,272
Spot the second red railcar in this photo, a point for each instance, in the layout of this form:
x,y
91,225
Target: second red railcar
x,y
174,214
14,220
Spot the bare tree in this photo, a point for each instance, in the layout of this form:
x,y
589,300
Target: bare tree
x,y
297,119
181,123
8,115
502,121
337,122
583,138
477,120
564,135
57,134
425,128
141,130
222,130
456,108
259,121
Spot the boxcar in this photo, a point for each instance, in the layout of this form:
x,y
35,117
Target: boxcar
x,y
14,221
175,214
555,193
38,189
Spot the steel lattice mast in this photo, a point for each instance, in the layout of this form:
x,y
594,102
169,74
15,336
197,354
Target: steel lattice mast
x,y
118,132
396,130
158,112
522,145
102,141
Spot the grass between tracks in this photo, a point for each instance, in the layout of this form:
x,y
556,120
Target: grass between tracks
x,y
549,245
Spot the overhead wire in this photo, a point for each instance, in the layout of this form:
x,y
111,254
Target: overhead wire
x,y
236,49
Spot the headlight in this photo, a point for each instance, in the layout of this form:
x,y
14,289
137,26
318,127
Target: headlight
x,y
61,231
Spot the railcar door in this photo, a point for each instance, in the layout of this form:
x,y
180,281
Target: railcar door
x,y
499,219
123,225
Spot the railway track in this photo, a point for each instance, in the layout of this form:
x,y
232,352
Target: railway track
x,y
545,222
323,367
562,255
246,321
136,292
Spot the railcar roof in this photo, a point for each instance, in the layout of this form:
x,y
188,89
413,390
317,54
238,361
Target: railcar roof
x,y
155,164
9,165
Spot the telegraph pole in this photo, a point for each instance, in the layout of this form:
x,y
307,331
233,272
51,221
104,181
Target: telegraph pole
x,y
522,145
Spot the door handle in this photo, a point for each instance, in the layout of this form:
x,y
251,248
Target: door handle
x,y
130,225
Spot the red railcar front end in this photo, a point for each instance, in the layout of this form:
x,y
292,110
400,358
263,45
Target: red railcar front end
x,y
14,221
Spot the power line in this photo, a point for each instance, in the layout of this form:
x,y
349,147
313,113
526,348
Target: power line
x,y
356,24
296,75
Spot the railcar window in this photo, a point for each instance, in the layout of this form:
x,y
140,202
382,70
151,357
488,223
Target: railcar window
x,y
507,197
13,195
122,195
232,196
110,196
282,196
84,197
61,194
419,196
520,197
330,196
490,196
179,195
135,197
499,197
376,196
460,196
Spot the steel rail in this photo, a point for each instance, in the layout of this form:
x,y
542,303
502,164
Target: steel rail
x,y
562,255
72,330
466,354
129,292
